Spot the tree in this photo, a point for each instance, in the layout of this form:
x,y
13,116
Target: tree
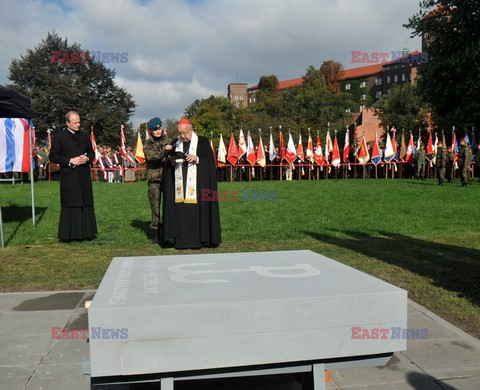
x,y
402,107
332,71
450,79
80,84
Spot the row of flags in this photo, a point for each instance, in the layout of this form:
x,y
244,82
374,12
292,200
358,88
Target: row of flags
x,y
329,155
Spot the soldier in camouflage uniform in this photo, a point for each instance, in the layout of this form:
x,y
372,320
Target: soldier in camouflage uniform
x,y
450,173
441,162
464,160
420,161
155,152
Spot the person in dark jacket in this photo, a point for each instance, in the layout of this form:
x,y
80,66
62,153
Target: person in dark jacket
x,y
72,150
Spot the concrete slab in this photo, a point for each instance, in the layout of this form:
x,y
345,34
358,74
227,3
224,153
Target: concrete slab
x,y
396,370
23,349
15,377
52,301
59,376
462,359
472,383
31,322
68,351
8,301
181,312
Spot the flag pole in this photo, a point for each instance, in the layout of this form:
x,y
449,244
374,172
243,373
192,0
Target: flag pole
x,y
281,170
31,129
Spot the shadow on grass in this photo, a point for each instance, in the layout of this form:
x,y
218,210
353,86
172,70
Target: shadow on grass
x,y
20,214
451,267
143,226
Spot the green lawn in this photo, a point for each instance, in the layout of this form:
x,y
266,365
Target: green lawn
x,y
413,234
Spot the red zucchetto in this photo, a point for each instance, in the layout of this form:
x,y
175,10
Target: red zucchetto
x,y
184,121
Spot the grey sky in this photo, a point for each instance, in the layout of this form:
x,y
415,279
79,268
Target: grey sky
x,y
179,51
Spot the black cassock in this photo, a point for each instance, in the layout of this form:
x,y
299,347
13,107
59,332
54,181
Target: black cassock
x,y
191,225
77,215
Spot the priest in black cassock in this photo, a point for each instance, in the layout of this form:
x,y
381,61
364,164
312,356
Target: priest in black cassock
x,y
72,149
190,219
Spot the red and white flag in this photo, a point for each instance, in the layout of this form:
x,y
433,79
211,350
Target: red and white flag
x,y
409,157
261,153
242,146
98,157
291,153
123,151
282,147
335,152
251,155
363,155
346,146
300,153
328,147
232,155
318,155
309,151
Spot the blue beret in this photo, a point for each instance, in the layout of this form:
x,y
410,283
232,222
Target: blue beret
x,y
154,123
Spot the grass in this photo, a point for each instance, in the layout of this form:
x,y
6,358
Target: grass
x,y
413,234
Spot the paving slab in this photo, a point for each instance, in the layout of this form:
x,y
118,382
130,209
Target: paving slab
x,y
29,359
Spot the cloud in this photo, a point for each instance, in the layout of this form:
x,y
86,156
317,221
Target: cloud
x,y
179,51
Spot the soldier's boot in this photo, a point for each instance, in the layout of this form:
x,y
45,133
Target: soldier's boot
x,y
155,237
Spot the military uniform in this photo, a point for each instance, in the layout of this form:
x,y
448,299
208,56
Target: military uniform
x,y
464,161
441,162
155,153
450,161
420,160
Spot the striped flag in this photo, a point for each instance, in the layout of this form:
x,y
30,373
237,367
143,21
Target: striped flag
x,y
15,143
328,147
94,147
139,155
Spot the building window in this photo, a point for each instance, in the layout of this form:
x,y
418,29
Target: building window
x,y
388,79
378,94
361,107
363,97
347,87
395,78
403,77
236,97
363,84
378,81
254,99
241,97
347,110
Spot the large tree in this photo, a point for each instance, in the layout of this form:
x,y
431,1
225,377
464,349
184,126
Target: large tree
x,y
82,85
450,79
333,72
402,107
